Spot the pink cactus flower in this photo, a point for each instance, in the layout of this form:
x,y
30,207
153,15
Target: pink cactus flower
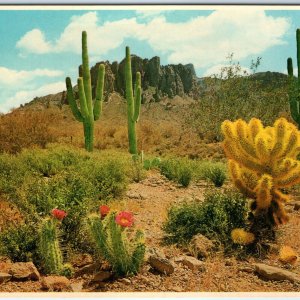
x,y
104,210
58,214
124,219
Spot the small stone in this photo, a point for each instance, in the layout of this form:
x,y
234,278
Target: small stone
x,y
24,271
160,263
88,269
133,195
4,277
125,281
77,287
102,276
275,273
56,283
193,263
200,246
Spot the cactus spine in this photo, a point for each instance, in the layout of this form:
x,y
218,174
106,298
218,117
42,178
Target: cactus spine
x,y
262,162
88,112
133,102
294,90
49,250
125,256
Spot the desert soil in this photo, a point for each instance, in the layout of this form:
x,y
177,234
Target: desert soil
x,y
149,200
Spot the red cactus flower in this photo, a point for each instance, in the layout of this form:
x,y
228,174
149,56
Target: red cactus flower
x,y
58,214
124,219
104,210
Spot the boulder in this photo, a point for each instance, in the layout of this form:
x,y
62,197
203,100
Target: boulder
x,y
193,263
160,263
24,271
4,277
200,246
275,273
56,283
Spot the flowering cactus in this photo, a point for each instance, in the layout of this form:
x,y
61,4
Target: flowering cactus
x,y
113,244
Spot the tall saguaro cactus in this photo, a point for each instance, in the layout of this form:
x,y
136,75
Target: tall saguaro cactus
x,y
133,102
88,112
294,92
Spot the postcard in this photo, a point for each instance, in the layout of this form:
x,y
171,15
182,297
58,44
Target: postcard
x,y
149,149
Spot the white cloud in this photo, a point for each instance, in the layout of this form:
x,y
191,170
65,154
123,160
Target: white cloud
x,y
148,14
204,41
34,42
217,69
25,96
10,77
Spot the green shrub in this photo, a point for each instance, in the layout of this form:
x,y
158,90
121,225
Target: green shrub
x,y
151,163
178,170
19,243
216,173
215,217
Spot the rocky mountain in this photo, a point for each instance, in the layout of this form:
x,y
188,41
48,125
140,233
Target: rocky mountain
x,y
157,81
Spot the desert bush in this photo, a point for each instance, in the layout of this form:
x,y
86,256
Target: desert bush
x,y
216,173
215,217
178,170
151,163
233,94
19,243
25,129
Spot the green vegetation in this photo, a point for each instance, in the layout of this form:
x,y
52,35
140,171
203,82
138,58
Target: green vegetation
x,y
215,172
38,180
133,103
215,218
88,112
294,92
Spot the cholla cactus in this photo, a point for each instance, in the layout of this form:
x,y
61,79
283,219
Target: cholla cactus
x,y
262,162
111,239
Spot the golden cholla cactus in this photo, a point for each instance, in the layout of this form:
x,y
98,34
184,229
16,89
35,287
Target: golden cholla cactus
x,y
262,161
288,255
242,237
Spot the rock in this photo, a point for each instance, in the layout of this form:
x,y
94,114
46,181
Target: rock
x,y
5,264
275,273
77,287
102,276
158,262
24,271
193,263
125,281
56,283
297,206
200,246
4,277
177,289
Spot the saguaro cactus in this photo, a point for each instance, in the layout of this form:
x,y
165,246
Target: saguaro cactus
x,y
294,91
88,112
133,103
263,162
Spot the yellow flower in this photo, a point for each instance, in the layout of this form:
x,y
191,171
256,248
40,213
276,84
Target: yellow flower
x,y
242,237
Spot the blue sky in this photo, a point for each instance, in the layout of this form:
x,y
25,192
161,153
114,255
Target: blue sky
x,y
39,48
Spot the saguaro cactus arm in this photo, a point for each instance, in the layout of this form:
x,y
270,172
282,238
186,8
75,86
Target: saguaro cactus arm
x,y
75,110
99,92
